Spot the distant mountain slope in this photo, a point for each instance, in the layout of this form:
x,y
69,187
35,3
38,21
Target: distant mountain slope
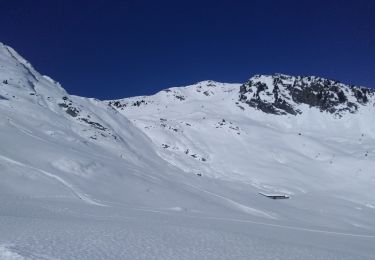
x,y
240,133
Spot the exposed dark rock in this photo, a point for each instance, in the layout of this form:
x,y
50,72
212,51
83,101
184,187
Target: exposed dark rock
x,y
31,85
63,105
285,106
138,103
361,94
117,104
285,93
93,124
342,97
180,97
72,111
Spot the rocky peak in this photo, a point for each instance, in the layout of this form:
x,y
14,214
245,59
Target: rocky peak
x,y
282,94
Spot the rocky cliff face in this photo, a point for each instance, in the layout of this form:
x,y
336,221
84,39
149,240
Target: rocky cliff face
x,y
281,94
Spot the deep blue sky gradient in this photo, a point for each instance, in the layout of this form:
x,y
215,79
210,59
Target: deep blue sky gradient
x,y
112,49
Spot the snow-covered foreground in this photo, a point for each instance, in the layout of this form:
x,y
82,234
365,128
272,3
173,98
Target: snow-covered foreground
x,y
58,229
177,175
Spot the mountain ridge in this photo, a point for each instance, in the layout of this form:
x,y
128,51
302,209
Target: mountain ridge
x,y
268,94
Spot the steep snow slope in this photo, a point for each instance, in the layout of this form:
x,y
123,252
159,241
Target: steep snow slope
x,y
86,179
57,145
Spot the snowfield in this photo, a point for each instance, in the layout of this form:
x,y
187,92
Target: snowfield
x,y
177,175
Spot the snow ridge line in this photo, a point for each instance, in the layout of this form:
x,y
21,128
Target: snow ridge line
x,y
21,61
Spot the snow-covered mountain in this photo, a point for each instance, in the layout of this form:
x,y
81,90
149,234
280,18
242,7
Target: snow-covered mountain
x,y
273,132
177,175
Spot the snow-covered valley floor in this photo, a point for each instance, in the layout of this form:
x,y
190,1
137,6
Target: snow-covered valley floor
x,y
63,229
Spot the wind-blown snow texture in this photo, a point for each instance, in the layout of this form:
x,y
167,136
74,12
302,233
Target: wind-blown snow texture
x,y
176,175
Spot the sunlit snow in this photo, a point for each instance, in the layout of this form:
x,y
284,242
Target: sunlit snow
x,y
177,175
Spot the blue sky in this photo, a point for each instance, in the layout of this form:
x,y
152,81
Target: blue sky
x,y
113,49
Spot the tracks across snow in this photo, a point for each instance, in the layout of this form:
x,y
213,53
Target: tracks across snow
x,y
327,232
7,254
239,220
232,203
12,252
130,233
236,205
68,185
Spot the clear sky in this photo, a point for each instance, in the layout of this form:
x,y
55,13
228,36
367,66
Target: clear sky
x,y
111,49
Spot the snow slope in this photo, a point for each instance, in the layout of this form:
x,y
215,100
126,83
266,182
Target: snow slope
x,y
176,175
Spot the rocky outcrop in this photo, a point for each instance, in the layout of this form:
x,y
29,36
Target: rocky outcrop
x,y
281,94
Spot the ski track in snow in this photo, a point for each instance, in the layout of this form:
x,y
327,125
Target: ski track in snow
x,y
7,254
113,238
294,228
291,227
11,252
268,224
236,205
241,207
26,132
59,179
